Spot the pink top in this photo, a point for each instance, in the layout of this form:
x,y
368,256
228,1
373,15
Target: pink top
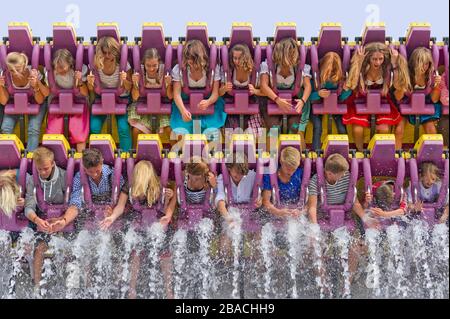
x,y
444,91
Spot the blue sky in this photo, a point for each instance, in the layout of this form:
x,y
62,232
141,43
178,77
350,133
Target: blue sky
x,y
308,15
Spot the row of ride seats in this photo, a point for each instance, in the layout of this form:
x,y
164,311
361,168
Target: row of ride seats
x,y
154,102
381,159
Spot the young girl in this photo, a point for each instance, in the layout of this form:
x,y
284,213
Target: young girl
x,y
422,73
285,57
198,178
23,78
331,78
67,78
107,59
153,70
429,189
146,189
370,69
197,62
241,66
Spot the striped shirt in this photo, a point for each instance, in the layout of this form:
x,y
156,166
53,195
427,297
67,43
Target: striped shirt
x,y
336,193
103,188
111,81
194,197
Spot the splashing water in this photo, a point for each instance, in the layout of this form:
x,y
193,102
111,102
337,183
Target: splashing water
x,y
155,240
343,239
235,233
205,229
373,267
131,242
179,243
396,264
267,246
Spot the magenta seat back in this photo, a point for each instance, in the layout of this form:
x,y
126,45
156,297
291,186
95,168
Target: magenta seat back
x,y
106,149
20,40
418,37
150,151
14,157
153,37
247,147
374,34
330,40
194,147
339,147
382,159
58,149
431,151
198,33
242,35
285,32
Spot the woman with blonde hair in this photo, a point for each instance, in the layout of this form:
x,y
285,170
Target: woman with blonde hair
x,y
107,60
371,67
285,58
331,78
423,74
9,193
146,189
23,77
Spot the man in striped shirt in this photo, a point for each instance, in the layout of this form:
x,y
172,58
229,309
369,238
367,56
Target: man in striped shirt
x,y
337,179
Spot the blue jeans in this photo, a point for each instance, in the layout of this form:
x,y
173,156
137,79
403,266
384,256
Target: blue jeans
x,y
123,129
34,126
317,128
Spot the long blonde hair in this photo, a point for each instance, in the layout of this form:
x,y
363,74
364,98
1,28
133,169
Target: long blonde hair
x,y
285,53
331,68
419,58
9,193
146,182
195,50
246,61
429,168
106,43
402,81
15,59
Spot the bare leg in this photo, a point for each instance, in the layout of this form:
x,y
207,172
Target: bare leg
x,y
399,132
166,268
135,264
135,133
430,127
81,147
39,262
302,140
358,137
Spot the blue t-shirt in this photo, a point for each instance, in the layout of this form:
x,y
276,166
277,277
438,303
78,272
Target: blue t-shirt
x,y
290,191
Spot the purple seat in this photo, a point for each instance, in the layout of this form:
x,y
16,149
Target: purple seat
x,y
430,148
418,36
105,144
330,40
292,140
285,31
152,100
198,31
149,148
336,216
110,101
241,104
191,214
373,103
21,101
65,101
11,145
381,161
244,143
61,149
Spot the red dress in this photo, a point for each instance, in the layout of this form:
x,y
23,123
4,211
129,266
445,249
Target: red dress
x,y
393,118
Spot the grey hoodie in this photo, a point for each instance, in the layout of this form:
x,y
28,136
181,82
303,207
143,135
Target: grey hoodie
x,y
54,190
